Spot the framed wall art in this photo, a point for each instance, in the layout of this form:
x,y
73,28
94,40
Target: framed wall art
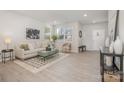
x,y
32,33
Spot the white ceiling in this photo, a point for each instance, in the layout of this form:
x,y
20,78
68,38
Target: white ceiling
x,y
61,16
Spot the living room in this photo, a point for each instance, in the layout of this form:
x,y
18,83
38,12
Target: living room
x,y
61,46
46,45
17,22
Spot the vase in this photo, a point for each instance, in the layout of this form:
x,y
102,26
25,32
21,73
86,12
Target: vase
x,y
111,47
107,42
111,50
109,61
118,47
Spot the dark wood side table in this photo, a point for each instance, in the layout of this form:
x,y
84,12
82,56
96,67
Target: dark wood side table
x,y
103,67
82,48
7,53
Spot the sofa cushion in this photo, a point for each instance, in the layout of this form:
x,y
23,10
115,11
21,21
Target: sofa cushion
x,y
30,46
37,45
32,51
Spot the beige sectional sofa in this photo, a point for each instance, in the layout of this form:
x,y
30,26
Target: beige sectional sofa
x,y
32,51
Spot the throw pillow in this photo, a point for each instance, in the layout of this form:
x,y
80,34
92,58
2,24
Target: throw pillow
x,y
48,48
24,46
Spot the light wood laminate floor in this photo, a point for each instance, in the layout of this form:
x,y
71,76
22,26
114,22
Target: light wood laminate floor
x,y
81,67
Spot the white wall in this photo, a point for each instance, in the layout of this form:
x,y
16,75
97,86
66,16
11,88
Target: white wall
x,y
112,19
87,38
121,26
75,37
14,26
111,23
88,34
80,28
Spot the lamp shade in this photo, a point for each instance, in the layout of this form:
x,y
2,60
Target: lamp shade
x,y
7,40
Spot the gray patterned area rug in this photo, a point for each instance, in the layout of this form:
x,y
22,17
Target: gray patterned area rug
x,y
37,64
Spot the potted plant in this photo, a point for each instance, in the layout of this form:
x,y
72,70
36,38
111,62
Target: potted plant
x,y
54,38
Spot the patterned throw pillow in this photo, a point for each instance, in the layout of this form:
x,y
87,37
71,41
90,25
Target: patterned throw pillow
x,y
24,46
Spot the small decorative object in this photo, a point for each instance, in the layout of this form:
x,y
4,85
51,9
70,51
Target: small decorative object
x,y
53,39
111,47
48,48
107,42
80,34
7,42
109,61
118,47
32,33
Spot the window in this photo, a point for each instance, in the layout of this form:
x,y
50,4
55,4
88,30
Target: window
x,y
64,34
61,32
47,33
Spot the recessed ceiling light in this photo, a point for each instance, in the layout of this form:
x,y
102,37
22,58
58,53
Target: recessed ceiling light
x,y
85,15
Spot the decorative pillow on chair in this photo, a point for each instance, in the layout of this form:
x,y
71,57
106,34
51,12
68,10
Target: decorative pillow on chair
x,y
24,46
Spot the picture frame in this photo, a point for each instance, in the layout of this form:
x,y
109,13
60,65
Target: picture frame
x,y
32,33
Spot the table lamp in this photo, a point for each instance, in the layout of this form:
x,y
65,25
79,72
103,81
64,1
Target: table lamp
x,y
7,42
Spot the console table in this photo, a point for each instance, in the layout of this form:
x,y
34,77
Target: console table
x,y
7,53
103,67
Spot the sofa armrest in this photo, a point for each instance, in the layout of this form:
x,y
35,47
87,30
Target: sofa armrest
x,y
19,53
20,50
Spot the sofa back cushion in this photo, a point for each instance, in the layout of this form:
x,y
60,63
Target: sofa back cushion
x,y
31,46
24,46
37,45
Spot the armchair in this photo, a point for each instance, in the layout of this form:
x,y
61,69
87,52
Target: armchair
x,y
66,47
